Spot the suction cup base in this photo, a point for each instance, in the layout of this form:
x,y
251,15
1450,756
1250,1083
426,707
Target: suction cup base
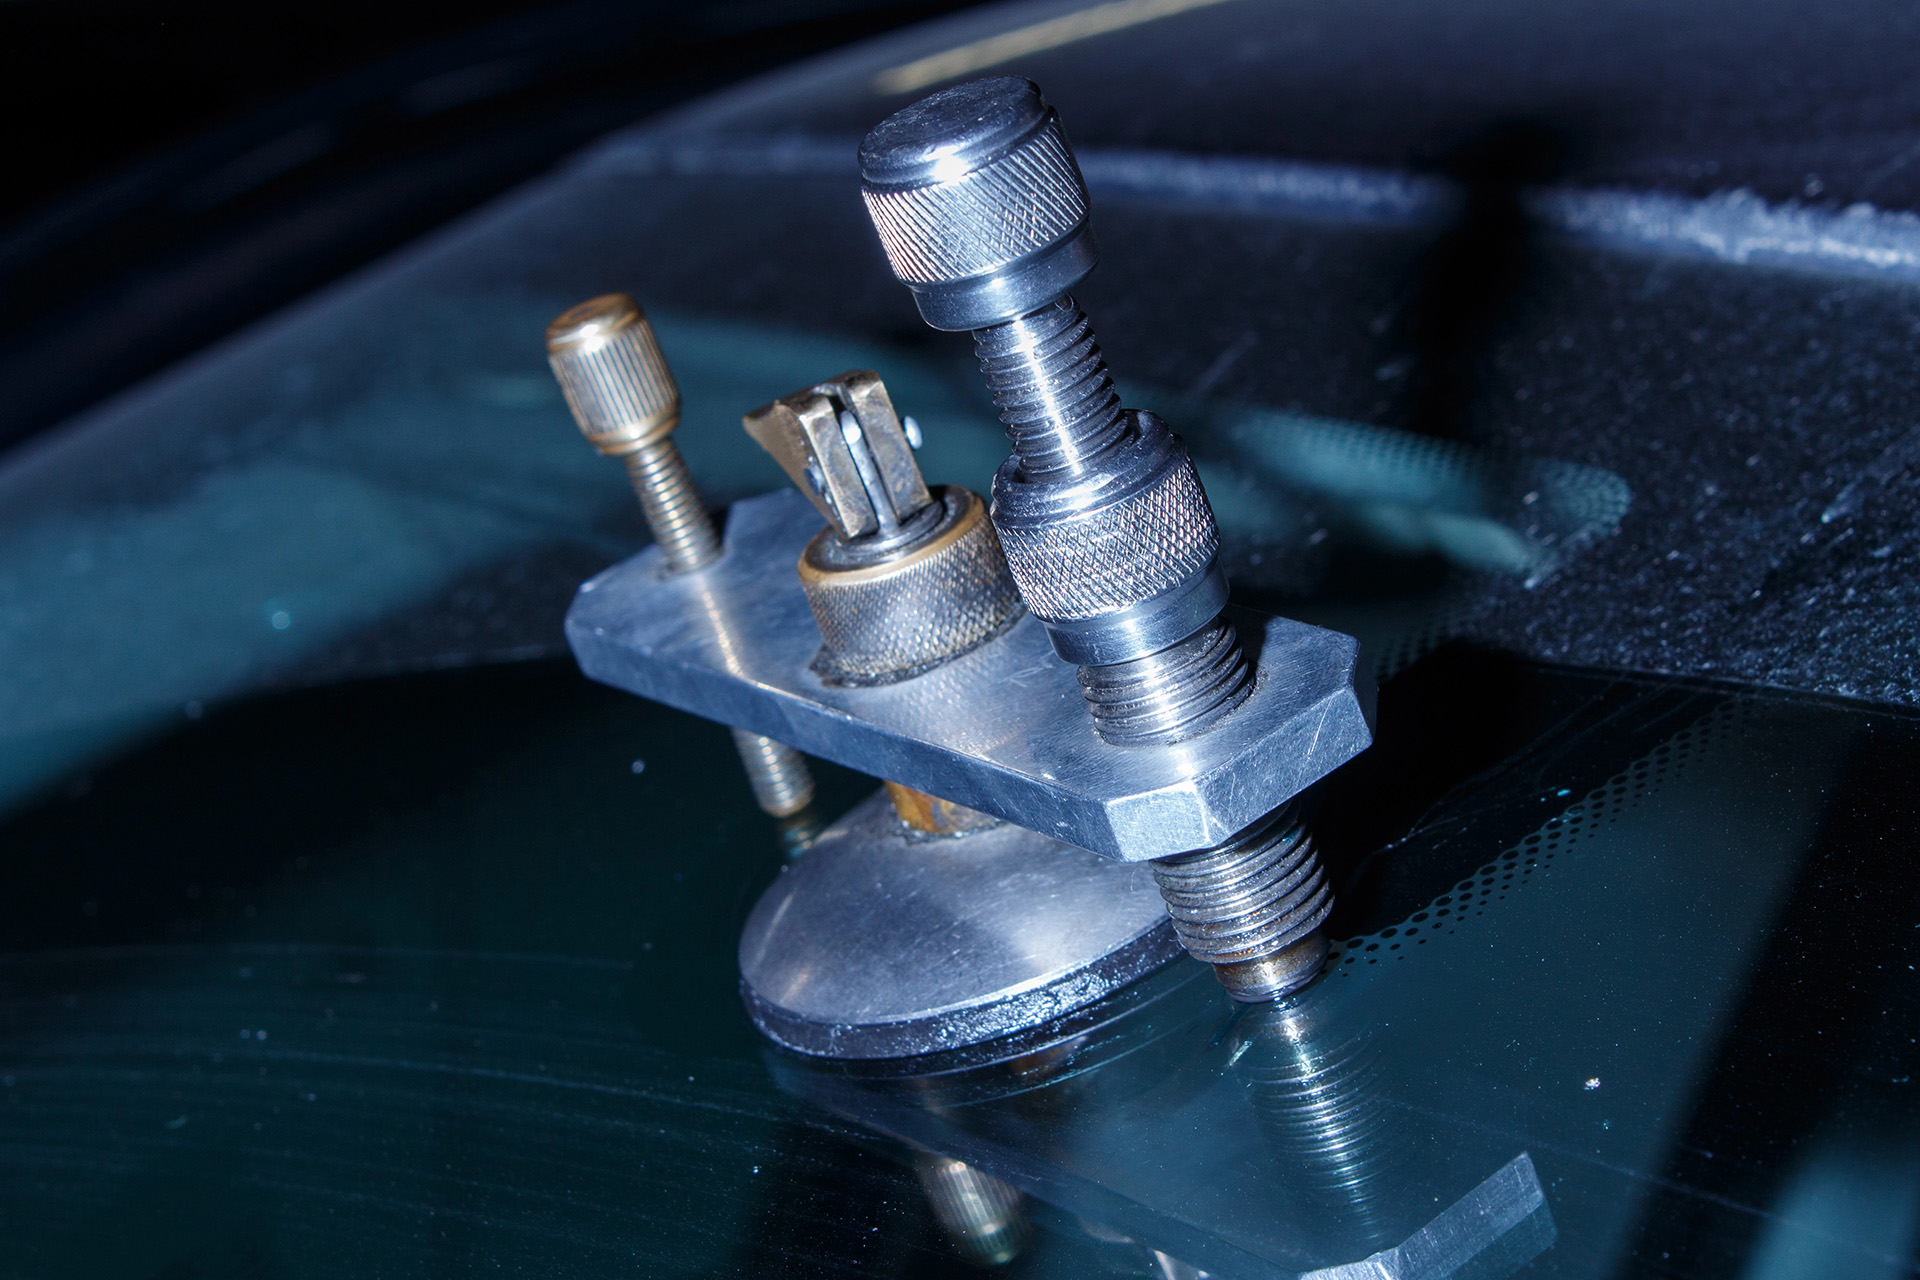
x,y
882,943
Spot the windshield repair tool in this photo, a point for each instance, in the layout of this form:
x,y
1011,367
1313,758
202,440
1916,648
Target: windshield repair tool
x,y
884,643
982,211
627,404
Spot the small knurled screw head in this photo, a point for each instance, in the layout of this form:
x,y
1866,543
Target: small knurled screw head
x,y
979,202
623,396
612,373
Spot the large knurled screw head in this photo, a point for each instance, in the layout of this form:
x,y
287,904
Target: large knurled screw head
x,y
612,373
979,202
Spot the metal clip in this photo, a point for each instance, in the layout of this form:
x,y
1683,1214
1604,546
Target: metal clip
x,y
844,448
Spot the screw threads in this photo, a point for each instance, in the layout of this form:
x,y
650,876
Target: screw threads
x,y
1314,1083
1172,695
1252,907
625,401
979,1213
672,506
1047,375
782,784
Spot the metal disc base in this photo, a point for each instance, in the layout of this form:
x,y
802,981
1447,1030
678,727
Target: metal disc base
x,y
882,943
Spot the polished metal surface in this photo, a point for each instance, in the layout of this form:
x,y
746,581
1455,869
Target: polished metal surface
x,y
1134,529
1052,386
903,578
883,942
1002,729
1172,694
940,179
782,783
1100,511
623,398
1107,529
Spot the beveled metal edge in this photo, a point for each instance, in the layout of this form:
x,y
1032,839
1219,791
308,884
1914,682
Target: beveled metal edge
x,y
962,1028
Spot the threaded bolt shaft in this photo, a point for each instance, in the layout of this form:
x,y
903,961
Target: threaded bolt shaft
x,y
1061,411
1171,695
626,403
1047,375
672,506
982,211
1253,907
782,783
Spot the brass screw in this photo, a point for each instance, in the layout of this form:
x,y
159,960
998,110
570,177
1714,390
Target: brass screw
x,y
623,396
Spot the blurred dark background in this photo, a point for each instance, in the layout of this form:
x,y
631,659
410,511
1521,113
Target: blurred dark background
x,y
180,169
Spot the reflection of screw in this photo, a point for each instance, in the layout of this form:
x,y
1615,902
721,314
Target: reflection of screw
x,y
980,1213
624,398
1168,1267
1314,1078
982,211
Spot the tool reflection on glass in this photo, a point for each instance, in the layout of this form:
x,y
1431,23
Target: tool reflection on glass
x,y
626,403
979,1213
1313,1079
1192,1137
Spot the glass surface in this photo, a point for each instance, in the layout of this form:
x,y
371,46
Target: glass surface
x,y
431,974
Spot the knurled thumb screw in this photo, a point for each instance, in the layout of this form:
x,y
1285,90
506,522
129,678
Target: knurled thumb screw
x,y
983,213
626,403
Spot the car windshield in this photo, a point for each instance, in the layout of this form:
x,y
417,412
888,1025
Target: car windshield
x,y
350,929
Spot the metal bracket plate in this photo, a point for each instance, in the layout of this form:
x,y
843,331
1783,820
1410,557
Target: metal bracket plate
x,y
1002,729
